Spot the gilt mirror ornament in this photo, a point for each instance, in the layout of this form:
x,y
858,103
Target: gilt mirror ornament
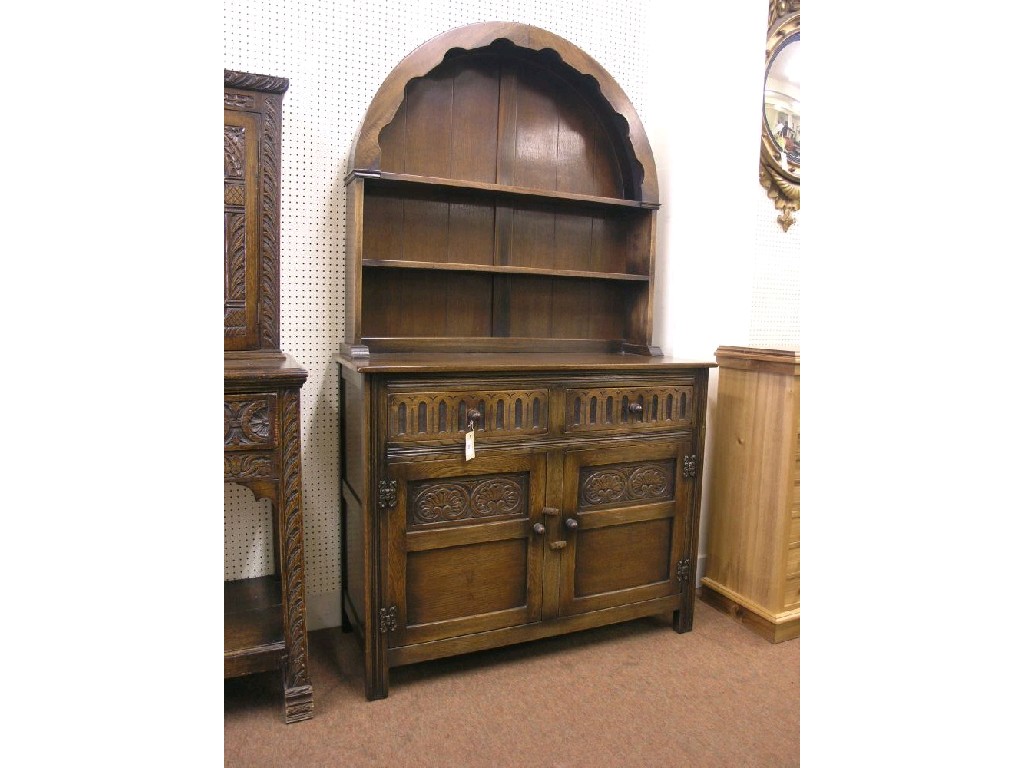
x,y
780,114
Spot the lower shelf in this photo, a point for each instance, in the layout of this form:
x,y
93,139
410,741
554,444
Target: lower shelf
x,y
253,626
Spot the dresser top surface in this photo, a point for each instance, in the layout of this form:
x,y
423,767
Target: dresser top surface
x,y
270,367
759,359
413,362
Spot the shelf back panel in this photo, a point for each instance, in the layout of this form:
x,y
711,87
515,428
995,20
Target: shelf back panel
x,y
398,302
478,117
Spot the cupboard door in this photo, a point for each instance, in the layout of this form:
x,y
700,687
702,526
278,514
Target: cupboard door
x,y
623,516
241,229
463,554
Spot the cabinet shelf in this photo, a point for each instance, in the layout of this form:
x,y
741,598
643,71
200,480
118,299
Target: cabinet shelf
x,y
502,270
413,181
253,629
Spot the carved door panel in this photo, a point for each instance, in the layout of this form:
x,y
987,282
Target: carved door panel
x,y
464,556
241,230
622,517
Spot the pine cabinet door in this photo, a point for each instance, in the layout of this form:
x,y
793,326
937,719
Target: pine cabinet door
x,y
463,554
623,514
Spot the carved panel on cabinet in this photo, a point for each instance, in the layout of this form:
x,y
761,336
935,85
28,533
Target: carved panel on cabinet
x,y
439,415
248,466
239,101
234,273
591,409
234,151
621,484
234,194
455,500
249,421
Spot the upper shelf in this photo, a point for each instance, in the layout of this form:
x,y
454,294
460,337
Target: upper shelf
x,y
446,266
504,190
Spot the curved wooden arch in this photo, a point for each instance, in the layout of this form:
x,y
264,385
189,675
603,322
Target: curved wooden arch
x,y
366,152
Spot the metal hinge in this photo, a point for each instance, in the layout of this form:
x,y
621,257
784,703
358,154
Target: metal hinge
x,y
690,466
683,571
388,619
387,494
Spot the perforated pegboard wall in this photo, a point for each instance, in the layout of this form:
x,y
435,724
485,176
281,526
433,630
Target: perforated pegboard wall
x,y
775,292
335,56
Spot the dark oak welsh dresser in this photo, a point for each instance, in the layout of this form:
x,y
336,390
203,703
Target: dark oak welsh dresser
x,y
264,617
518,461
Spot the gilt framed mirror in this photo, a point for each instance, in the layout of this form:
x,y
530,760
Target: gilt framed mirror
x,y
780,113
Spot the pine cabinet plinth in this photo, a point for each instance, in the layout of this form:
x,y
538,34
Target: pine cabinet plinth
x,y
579,508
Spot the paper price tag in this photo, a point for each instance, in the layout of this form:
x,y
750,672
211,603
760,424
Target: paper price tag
x,y
470,444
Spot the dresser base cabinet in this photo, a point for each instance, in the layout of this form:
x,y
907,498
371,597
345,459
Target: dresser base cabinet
x,y
753,547
579,508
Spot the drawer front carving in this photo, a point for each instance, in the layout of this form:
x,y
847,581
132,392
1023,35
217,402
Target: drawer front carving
x,y
250,421
647,408
419,416
249,466
622,484
459,500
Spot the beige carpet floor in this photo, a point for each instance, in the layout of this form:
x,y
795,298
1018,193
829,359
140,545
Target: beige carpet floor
x,y
634,694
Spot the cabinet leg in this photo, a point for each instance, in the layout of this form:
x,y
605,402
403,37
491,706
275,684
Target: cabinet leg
x,y
376,668
298,703
376,681
682,621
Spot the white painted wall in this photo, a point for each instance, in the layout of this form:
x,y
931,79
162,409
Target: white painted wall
x,y
724,266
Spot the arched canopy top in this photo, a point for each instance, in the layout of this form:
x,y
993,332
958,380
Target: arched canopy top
x,y
540,51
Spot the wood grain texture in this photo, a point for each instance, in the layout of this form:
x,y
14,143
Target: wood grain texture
x,y
753,536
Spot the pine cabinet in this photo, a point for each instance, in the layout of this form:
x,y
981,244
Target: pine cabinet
x,y
753,547
501,202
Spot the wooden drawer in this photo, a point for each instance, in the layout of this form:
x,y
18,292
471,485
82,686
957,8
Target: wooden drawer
x,y
250,421
442,415
635,408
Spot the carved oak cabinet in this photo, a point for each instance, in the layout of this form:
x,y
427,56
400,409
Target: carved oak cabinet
x,y
501,200
264,617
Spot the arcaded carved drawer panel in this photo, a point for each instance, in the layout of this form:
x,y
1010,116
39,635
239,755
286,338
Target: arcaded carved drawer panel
x,y
623,484
250,421
435,503
418,416
644,408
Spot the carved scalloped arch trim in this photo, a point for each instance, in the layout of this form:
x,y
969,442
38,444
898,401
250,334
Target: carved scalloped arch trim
x,y
365,154
253,82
